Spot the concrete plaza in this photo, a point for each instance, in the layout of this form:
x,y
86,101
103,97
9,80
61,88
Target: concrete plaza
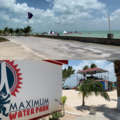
x,y
37,48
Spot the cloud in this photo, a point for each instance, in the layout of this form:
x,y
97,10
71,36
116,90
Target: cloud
x,y
4,15
81,13
16,20
70,6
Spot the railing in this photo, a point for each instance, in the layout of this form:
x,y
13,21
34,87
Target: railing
x,y
97,78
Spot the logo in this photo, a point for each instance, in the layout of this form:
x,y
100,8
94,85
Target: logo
x,y
10,82
16,107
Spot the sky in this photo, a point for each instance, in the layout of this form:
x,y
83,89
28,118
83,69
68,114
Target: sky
x,y
71,15
79,64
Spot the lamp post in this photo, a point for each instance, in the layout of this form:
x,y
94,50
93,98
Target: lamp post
x,y
110,36
58,30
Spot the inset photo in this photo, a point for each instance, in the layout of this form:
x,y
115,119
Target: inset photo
x,y
59,89
51,29
92,88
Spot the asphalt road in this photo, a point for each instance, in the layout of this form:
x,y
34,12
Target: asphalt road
x,y
47,48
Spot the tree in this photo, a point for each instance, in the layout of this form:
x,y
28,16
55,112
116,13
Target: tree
x,y
21,31
17,31
93,65
86,67
117,72
25,30
1,31
29,29
11,31
88,87
6,30
66,73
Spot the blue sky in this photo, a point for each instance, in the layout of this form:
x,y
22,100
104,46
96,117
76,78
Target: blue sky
x,y
79,64
71,15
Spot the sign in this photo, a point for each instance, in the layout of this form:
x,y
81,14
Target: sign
x,y
29,89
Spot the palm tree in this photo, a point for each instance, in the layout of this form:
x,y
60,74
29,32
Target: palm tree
x,y
117,72
11,31
1,31
93,65
29,29
25,30
6,30
86,67
17,31
21,31
88,87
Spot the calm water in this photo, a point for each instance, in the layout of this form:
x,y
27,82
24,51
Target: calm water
x,y
99,34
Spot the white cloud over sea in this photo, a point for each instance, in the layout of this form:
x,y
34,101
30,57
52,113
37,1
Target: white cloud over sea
x,y
70,14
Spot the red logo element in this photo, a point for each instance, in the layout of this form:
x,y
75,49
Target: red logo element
x,y
17,79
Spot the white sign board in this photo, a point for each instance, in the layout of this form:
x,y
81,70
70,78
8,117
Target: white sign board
x,y
28,89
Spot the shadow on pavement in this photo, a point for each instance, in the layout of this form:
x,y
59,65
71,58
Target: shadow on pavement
x,y
109,113
113,99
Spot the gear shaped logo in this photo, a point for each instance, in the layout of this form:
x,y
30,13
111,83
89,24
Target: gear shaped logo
x,y
10,82
12,76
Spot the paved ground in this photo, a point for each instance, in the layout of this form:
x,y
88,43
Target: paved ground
x,y
46,48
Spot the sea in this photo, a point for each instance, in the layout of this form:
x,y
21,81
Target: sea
x,y
98,34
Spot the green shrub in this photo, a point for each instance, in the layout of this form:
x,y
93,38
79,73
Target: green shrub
x,y
63,100
55,116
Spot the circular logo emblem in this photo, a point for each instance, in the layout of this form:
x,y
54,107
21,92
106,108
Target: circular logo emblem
x,y
12,76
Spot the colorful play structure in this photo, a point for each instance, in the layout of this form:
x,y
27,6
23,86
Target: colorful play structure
x,y
101,76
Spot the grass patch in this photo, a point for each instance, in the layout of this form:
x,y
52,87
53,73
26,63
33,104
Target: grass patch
x,y
3,39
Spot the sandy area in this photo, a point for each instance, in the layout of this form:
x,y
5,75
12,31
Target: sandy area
x,y
74,102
